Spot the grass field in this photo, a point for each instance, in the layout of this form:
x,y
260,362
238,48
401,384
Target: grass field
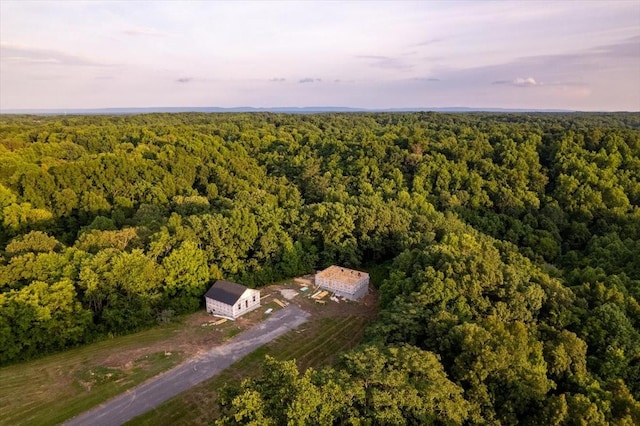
x,y
314,344
54,388
57,387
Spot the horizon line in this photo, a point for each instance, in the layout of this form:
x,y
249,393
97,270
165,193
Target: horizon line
x,y
292,109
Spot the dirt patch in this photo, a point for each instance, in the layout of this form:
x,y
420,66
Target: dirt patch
x,y
367,306
288,293
199,335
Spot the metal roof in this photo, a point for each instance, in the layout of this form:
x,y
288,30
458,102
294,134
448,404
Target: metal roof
x,y
225,292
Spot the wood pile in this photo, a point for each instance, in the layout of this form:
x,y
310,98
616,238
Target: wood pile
x,y
279,302
319,295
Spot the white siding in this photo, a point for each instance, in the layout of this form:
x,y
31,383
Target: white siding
x,y
249,301
218,308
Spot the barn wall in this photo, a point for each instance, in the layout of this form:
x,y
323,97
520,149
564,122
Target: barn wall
x,y
249,301
218,308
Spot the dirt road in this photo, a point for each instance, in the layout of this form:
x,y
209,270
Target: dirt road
x,y
150,394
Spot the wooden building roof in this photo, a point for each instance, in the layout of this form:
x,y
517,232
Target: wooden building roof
x,y
347,276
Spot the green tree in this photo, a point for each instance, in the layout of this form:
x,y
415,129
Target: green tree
x,y
187,275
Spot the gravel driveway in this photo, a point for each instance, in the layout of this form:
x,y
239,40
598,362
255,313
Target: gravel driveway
x,y
155,391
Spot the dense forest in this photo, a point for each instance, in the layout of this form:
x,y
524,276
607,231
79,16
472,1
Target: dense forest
x,y
511,242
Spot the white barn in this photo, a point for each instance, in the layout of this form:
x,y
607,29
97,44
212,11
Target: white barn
x,y
344,282
230,300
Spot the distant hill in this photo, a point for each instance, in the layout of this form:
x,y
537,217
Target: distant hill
x,y
287,110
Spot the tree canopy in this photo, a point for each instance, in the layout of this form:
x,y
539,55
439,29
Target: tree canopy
x,y
511,244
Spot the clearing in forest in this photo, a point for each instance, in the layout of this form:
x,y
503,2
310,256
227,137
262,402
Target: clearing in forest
x,y
57,387
332,329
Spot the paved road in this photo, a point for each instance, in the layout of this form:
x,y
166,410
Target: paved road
x,y
169,384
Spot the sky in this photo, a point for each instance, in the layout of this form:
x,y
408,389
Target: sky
x,y
578,55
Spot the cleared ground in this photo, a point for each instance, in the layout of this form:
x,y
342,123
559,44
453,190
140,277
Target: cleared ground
x,y
54,388
150,394
51,389
57,387
333,329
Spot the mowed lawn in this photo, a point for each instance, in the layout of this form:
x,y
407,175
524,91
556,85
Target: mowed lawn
x,y
315,343
54,388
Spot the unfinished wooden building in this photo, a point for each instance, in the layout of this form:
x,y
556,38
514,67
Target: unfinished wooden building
x,y
344,282
230,300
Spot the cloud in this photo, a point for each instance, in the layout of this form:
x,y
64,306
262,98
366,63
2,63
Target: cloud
x,y
530,81
140,31
427,79
386,62
628,48
184,80
601,58
277,80
520,82
310,80
429,42
34,56
48,77
578,71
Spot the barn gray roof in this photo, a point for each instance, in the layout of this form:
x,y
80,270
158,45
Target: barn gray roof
x,y
225,292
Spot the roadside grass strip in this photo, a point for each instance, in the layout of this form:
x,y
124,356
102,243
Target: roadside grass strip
x,y
52,389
